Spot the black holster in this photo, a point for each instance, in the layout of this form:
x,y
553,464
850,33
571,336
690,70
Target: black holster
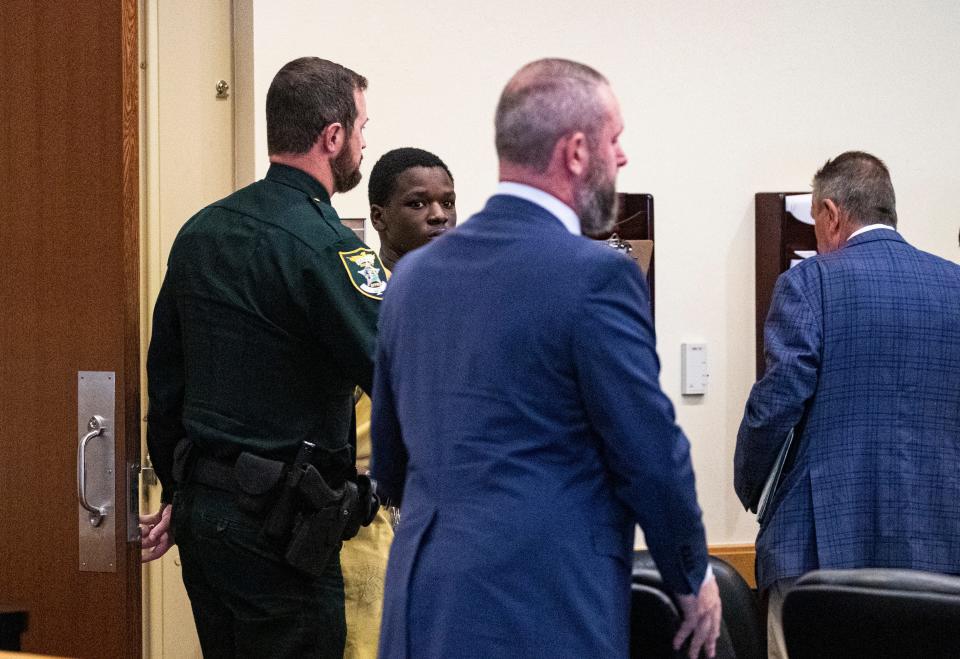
x,y
304,519
318,526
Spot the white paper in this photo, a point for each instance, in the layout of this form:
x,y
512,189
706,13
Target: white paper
x,y
799,205
805,253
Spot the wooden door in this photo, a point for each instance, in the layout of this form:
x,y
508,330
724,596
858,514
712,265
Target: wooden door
x,y
69,295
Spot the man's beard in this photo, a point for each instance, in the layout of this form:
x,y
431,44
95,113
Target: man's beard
x,y
345,175
596,202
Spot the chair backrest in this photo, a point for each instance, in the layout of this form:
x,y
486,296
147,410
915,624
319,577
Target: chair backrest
x,y
873,613
743,618
742,635
13,622
653,622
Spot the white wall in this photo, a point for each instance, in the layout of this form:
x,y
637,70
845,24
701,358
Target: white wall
x,y
720,99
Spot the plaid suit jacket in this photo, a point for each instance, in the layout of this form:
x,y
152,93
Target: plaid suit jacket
x,y
863,352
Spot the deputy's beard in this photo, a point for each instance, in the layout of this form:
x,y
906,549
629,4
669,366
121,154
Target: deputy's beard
x,y
596,203
346,176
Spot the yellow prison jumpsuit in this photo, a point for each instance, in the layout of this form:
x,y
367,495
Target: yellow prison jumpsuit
x,y
363,561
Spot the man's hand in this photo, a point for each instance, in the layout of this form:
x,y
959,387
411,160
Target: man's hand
x,y
701,618
155,536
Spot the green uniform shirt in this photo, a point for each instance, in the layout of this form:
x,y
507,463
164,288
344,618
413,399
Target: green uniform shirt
x,y
264,325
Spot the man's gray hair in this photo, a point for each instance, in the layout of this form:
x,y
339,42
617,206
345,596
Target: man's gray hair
x,y
544,101
859,184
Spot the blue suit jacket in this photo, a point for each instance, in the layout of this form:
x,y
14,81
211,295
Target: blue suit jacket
x,y
863,350
517,412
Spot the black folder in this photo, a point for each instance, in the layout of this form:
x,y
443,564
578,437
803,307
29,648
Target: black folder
x,y
773,480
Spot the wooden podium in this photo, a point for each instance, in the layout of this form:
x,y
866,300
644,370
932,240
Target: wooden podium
x,y
782,239
634,226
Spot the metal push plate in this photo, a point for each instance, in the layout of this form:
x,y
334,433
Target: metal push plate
x,y
96,480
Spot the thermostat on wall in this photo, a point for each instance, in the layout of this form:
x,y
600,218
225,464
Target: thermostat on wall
x,y
694,374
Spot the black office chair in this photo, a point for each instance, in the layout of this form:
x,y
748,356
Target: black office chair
x,y
654,621
13,622
873,613
742,634
743,617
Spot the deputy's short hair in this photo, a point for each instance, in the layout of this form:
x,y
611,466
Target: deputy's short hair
x,y
383,177
859,184
307,95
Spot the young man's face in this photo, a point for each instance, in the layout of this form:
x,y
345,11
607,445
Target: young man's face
x,y
422,207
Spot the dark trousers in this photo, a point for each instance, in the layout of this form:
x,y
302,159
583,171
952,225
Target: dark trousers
x,y
247,602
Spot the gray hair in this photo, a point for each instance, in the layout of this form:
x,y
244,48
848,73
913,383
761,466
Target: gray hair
x,y
544,101
858,183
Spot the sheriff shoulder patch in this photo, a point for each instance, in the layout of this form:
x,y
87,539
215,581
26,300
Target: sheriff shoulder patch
x,y
365,271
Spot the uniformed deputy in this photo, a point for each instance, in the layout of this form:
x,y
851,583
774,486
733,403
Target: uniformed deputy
x,y
412,201
263,327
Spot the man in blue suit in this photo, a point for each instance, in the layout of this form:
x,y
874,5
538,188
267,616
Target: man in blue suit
x,y
518,414
863,359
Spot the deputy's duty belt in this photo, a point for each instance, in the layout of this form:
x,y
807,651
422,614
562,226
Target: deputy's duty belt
x,y
214,473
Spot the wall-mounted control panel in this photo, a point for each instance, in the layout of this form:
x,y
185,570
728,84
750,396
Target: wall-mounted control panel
x,y
694,373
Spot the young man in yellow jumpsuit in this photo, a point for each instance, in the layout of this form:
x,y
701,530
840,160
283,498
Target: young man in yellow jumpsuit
x,y
412,201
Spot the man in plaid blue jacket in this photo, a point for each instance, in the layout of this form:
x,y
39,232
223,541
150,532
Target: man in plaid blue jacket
x,y
863,358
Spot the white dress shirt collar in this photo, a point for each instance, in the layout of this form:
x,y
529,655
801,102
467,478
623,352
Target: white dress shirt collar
x,y
545,200
869,227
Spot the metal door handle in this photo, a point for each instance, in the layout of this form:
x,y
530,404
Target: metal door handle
x,y
97,424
